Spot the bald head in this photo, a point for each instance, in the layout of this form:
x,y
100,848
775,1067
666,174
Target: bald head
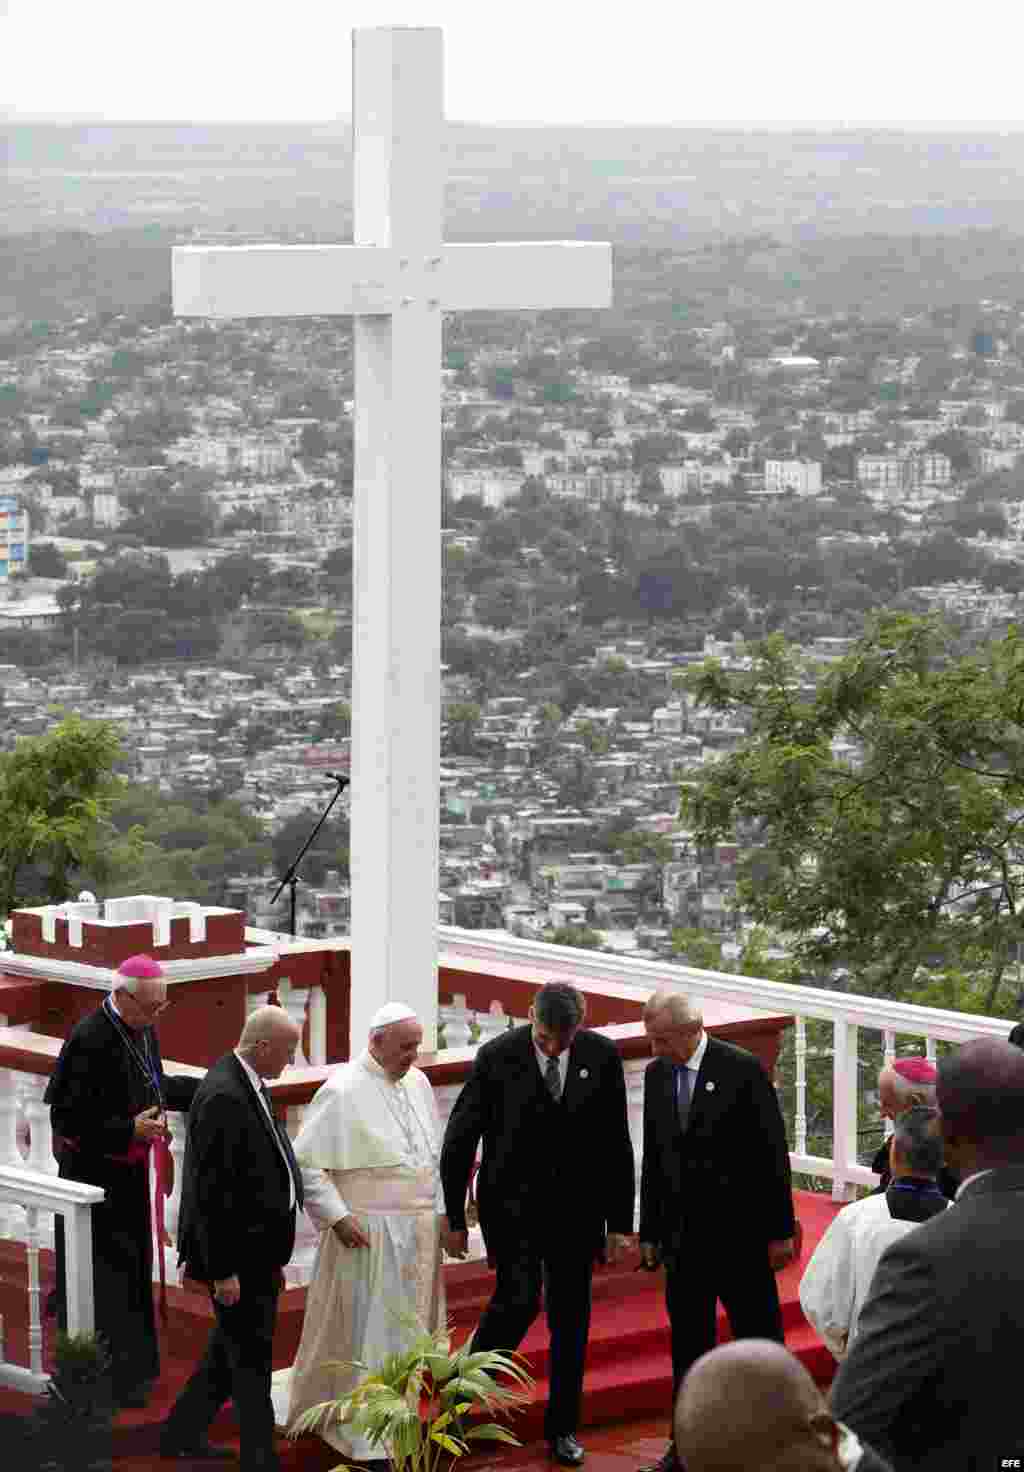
x,y
751,1404
269,1039
981,1103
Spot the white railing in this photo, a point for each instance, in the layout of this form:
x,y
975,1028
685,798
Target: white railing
x,y
24,1122
848,1014
34,1192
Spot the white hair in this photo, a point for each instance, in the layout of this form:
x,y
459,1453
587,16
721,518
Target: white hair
x,y
676,1006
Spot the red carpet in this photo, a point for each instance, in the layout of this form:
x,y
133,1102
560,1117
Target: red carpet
x,y
628,1367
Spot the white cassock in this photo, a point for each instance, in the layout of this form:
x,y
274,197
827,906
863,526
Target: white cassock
x,y
837,1279
369,1148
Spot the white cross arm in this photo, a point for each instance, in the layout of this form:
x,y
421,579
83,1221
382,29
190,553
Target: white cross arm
x,y
368,280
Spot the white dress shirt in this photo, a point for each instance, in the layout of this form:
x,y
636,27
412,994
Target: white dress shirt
x,y
563,1067
257,1084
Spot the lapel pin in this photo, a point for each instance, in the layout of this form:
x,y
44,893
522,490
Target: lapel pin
x,y
584,1073
710,1087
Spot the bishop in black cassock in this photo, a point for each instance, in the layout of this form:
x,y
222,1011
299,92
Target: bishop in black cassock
x,y
107,1097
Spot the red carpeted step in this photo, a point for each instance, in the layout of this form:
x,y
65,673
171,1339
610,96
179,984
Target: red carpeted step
x,y
628,1366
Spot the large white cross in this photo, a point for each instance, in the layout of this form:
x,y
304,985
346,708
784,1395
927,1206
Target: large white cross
x,y
396,279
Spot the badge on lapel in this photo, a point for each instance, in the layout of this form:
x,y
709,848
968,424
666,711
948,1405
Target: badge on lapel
x,y
584,1073
710,1086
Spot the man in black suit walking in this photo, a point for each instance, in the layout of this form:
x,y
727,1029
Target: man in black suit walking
x,y
716,1202
933,1378
555,1189
240,1192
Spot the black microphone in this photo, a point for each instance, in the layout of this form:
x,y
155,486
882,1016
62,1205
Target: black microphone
x,y
337,777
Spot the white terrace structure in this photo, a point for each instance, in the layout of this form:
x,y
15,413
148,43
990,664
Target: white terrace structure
x,y
30,1193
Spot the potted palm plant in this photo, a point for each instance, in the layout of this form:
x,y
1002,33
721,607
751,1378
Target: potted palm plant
x,y
420,1406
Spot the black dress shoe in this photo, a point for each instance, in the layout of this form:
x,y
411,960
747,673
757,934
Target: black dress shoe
x,y
200,1451
567,1451
667,1462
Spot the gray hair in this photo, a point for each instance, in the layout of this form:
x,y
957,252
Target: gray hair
x,y
676,1006
917,1138
559,1006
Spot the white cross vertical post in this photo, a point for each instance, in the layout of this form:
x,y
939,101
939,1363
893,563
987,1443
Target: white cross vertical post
x,y
396,279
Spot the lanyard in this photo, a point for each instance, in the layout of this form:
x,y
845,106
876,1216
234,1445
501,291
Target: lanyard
x,y
144,1058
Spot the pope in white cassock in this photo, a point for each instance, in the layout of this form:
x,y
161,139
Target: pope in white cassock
x,y
369,1147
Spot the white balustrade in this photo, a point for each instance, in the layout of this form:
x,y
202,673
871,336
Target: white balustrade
x,y
800,1117
492,1023
178,1126
33,1237
634,1069
293,999
457,1020
36,1192
317,1012
11,1216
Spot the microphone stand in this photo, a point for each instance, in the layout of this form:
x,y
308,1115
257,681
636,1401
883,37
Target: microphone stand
x,y
291,876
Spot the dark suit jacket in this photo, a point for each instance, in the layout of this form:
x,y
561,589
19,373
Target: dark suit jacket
x,y
566,1167
729,1173
932,1379
94,1094
870,1461
235,1214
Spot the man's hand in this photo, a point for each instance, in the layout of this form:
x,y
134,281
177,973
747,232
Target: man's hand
x,y
650,1256
616,1245
151,1124
454,1244
349,1233
780,1254
227,1290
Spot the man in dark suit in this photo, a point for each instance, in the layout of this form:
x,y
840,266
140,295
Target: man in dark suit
x,y
108,1095
752,1404
240,1192
933,1377
716,1203
555,1189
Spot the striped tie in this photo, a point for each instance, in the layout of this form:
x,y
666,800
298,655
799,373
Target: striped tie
x,y
553,1079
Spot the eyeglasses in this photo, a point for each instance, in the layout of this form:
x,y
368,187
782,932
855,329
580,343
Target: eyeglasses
x,y
151,1009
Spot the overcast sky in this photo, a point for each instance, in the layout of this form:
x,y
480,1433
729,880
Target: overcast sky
x,y
645,61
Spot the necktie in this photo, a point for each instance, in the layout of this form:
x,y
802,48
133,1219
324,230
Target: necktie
x,y
286,1148
553,1079
683,1095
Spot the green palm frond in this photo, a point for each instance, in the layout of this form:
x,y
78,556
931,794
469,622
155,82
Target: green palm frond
x,y
386,1406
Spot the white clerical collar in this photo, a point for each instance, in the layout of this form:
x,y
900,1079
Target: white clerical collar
x,y
697,1057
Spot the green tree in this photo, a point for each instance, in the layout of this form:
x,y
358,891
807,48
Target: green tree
x,y
698,948
903,854
580,936
55,797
